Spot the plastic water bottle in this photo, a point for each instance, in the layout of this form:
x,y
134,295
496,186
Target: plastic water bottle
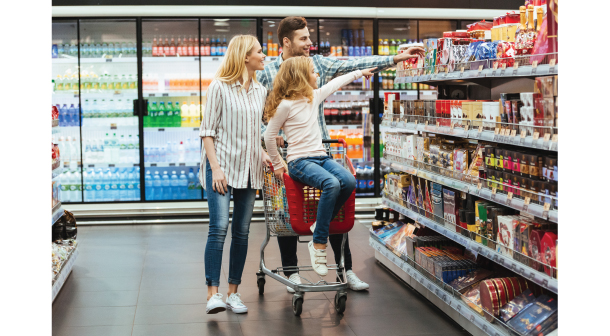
x,y
165,186
72,116
163,154
174,186
64,191
170,154
131,186
64,116
155,154
114,185
123,185
183,183
157,189
181,153
131,149
192,191
87,185
107,149
146,154
122,149
198,185
136,181
148,185
78,184
94,186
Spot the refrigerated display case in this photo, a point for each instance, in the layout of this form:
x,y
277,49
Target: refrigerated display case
x,y
66,98
109,86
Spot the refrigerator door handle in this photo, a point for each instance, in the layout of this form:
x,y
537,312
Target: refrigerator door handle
x,y
135,107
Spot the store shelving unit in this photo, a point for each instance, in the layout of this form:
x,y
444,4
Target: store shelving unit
x,y
63,274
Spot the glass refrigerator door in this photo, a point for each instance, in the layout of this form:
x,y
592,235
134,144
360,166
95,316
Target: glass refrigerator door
x,y
66,99
109,77
171,88
347,110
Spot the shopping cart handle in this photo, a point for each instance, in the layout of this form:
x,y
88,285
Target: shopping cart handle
x,y
335,141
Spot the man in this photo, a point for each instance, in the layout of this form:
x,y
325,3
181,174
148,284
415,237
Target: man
x,y
293,36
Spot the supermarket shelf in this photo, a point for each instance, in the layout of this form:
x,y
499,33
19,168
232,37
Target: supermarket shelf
x,y
527,142
343,127
56,214
173,94
111,165
523,71
57,171
365,93
65,60
108,60
515,203
65,271
171,129
171,164
170,59
527,272
452,306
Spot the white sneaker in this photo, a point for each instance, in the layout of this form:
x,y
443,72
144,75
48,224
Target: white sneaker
x,y
294,278
318,259
354,283
313,227
215,304
235,304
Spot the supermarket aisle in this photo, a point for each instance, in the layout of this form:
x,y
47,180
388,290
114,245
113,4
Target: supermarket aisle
x,y
149,280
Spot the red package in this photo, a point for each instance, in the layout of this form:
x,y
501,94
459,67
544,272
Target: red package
x,y
506,54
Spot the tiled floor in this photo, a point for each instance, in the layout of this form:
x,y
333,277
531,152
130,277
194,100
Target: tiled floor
x,y
149,280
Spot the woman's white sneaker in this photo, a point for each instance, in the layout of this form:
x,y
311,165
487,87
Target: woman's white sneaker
x,y
354,283
215,304
318,259
313,227
294,277
235,304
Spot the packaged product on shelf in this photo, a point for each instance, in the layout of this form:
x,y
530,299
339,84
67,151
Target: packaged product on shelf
x,y
530,317
437,200
463,283
548,252
516,305
472,297
449,206
506,229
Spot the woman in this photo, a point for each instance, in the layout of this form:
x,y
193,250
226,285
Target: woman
x,y
293,107
232,162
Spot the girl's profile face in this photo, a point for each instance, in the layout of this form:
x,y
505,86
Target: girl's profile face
x,y
313,77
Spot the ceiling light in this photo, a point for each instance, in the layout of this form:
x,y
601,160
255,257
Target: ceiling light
x,y
221,20
271,21
221,24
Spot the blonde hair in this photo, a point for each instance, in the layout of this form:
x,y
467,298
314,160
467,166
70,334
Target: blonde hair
x,y
233,66
291,83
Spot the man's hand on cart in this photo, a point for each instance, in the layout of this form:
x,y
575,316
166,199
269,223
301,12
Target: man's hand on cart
x,y
219,182
279,173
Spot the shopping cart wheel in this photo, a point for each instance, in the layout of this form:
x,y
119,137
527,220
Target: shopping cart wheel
x,y
297,305
340,301
260,282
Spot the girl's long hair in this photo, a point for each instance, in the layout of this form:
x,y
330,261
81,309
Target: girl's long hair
x,y
233,66
291,82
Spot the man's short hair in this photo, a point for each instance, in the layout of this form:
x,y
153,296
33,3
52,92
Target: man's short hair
x,y
288,26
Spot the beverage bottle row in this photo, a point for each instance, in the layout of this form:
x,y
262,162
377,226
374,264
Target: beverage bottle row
x,y
357,50
112,185
69,150
170,47
112,149
61,50
354,142
344,112
172,187
102,112
174,152
68,116
365,180
173,115
104,49
92,83
173,82
70,187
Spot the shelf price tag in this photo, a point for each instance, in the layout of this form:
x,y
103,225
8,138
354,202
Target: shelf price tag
x,y
547,207
536,136
526,203
509,198
552,65
534,67
513,133
466,127
438,124
481,129
515,67
547,136
497,131
503,71
480,185
493,192
426,122
554,138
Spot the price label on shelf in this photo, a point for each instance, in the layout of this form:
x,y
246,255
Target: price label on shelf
x,y
438,124
452,126
480,185
113,126
552,65
523,134
509,195
554,138
534,67
547,206
466,127
481,129
536,136
497,131
446,70
503,71
515,67
416,121
165,95
526,203
547,136
513,133
495,66
109,60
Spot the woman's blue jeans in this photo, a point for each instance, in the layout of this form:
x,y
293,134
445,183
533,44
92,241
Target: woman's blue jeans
x,y
336,183
243,205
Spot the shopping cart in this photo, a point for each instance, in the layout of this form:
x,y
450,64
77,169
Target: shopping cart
x,y
290,210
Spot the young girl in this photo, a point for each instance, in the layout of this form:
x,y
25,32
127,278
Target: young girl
x,y
293,106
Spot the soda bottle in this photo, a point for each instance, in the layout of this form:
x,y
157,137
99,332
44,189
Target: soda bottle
x,y
161,115
177,119
359,146
184,115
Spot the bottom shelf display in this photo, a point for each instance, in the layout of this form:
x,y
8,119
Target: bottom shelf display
x,y
63,255
492,298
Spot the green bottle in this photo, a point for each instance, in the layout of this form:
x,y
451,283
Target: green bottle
x,y
153,115
147,117
161,115
177,121
169,115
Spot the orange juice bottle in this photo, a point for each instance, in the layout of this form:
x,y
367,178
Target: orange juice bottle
x,y
350,145
359,146
341,135
333,146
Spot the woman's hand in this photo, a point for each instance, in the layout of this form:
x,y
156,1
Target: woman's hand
x,y
279,140
279,174
219,182
266,159
368,72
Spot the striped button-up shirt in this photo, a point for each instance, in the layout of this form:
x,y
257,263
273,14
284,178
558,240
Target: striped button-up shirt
x,y
233,117
327,68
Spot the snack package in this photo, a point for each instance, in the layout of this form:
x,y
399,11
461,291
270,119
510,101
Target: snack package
x,y
530,317
516,305
462,284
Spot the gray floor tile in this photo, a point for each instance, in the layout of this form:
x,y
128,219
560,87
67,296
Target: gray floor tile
x,y
188,313
405,323
108,270
172,281
98,299
177,269
93,316
102,284
266,310
94,331
296,326
189,329
172,296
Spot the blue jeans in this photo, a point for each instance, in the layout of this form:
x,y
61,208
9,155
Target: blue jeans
x,y
243,205
336,183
